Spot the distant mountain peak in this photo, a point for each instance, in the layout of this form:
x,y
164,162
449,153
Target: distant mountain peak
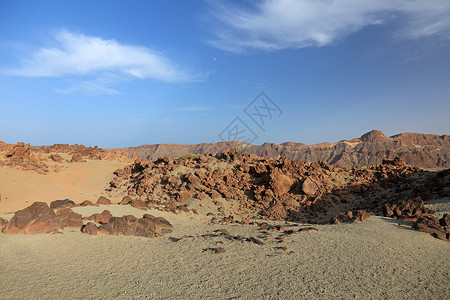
x,y
373,136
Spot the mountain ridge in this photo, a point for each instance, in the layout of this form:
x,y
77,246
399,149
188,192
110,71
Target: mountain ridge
x,y
417,149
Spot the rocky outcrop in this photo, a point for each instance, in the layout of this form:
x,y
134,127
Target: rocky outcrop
x,y
40,218
148,226
279,189
351,216
439,229
410,209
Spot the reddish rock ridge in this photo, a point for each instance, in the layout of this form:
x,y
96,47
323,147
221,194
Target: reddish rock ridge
x,y
416,149
35,158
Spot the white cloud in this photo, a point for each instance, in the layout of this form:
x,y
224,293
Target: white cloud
x,y
280,24
78,54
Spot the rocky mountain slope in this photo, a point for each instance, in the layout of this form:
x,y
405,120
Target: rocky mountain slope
x,y
417,149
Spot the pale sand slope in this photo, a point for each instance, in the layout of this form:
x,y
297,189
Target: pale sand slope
x,y
376,259
76,181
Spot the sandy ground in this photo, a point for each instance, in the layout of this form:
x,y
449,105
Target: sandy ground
x,y
76,181
376,259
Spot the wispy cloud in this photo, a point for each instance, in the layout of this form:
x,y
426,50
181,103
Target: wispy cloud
x,y
76,54
281,24
193,108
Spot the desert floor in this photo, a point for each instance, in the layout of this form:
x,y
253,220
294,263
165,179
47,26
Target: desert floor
x,y
376,259
77,181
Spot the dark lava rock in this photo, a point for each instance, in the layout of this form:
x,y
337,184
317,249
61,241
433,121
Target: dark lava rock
x,y
62,204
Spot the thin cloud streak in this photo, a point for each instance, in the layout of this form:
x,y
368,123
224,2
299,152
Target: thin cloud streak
x,y
282,24
194,108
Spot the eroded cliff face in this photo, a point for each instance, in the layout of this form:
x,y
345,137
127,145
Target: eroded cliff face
x,y
417,149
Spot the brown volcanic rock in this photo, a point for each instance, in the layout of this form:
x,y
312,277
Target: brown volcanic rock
x,y
90,228
69,218
102,218
21,156
77,158
117,182
309,187
56,157
3,223
103,200
87,203
129,225
62,204
280,183
160,222
351,216
408,209
36,218
125,200
278,189
437,228
184,195
138,204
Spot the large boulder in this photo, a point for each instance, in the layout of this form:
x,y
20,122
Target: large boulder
x,y
309,187
184,195
69,218
102,218
280,183
90,228
129,225
36,218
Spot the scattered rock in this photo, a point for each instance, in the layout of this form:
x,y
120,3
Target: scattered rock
x,y
3,223
351,216
437,228
129,225
62,203
69,218
308,229
104,201
87,203
56,157
222,231
184,195
102,218
410,209
90,228
125,200
218,250
117,182
160,222
77,158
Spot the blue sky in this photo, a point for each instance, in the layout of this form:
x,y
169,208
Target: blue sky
x,y
125,73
